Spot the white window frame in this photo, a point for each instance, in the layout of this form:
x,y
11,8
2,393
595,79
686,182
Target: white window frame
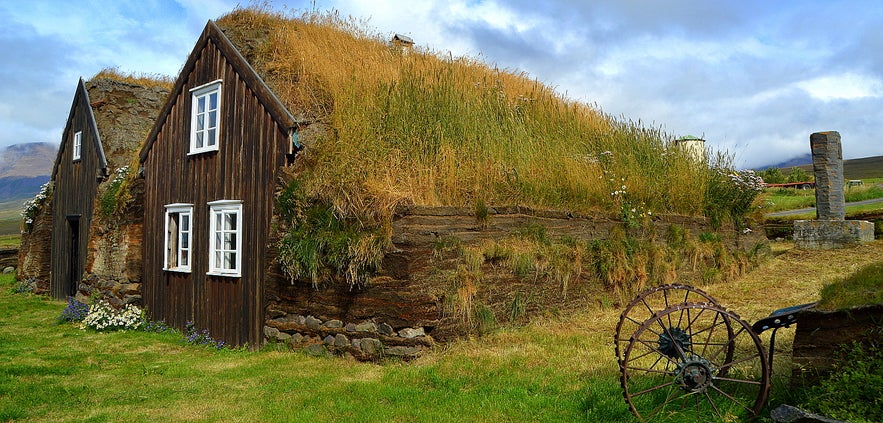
x,y
78,145
177,242
210,143
218,265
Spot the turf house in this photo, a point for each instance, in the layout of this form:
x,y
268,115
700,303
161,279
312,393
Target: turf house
x,y
65,250
308,181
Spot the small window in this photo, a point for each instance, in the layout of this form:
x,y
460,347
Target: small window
x,y
78,145
225,243
178,250
205,118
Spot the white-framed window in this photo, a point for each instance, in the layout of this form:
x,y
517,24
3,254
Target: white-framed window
x,y
225,238
205,117
78,145
179,237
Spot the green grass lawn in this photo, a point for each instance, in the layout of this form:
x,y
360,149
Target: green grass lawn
x,y
780,199
58,372
12,240
557,368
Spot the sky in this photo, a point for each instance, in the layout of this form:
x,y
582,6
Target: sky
x,y
753,78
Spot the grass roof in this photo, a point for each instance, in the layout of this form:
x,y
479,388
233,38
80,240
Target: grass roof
x,y
125,107
418,127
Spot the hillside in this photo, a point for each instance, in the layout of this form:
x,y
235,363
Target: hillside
x,y
864,168
27,160
23,169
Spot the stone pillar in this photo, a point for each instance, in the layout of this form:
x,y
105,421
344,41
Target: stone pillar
x,y
827,163
830,229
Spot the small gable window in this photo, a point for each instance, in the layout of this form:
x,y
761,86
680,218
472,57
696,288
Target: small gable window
x,y
179,224
225,244
78,145
205,117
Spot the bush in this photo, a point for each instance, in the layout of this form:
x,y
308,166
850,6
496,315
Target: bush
x,y
730,195
115,194
32,207
194,336
104,317
74,312
854,389
26,286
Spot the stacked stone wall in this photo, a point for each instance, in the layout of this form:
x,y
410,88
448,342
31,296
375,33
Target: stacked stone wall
x,y
35,253
113,263
413,292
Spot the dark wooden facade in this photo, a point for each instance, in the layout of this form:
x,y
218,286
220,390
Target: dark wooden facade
x,y
75,182
254,140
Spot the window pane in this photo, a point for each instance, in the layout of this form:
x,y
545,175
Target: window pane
x,y
218,262
199,142
200,104
219,216
185,223
213,101
230,261
185,240
218,245
229,241
230,222
185,258
211,140
212,119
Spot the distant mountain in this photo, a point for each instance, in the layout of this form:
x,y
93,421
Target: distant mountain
x,y
803,160
27,160
863,168
23,168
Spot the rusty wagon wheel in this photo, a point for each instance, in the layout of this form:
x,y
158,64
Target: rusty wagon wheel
x,y
697,361
647,303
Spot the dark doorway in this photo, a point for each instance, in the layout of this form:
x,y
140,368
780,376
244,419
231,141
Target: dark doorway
x,y
73,223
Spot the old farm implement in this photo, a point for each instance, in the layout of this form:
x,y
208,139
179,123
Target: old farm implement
x,y
681,353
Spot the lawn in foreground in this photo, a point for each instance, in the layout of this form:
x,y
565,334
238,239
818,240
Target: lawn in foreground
x,y
57,372
559,368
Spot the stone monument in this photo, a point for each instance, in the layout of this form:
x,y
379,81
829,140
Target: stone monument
x,y
830,229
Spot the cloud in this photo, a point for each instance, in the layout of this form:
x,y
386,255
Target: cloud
x,y
847,86
755,77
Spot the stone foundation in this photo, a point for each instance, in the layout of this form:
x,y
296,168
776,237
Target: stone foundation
x,y
830,234
365,340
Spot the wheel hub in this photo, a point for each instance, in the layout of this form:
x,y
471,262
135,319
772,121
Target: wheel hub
x,y
678,340
695,375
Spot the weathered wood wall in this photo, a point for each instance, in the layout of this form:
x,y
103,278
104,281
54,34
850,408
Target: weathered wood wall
x,y
75,186
252,148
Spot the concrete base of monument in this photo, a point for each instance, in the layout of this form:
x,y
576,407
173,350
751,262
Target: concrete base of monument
x,y
829,234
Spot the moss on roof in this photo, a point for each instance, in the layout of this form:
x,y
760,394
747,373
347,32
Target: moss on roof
x,y
125,107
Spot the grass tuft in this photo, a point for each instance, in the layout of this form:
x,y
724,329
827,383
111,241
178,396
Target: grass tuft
x,y
863,287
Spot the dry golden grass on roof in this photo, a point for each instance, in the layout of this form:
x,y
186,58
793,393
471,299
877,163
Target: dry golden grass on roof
x,y
426,128
136,78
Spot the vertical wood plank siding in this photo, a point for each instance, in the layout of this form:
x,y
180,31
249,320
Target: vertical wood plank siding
x,y
252,148
75,187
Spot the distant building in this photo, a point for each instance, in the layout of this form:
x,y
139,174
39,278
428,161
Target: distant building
x,y
403,43
693,145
